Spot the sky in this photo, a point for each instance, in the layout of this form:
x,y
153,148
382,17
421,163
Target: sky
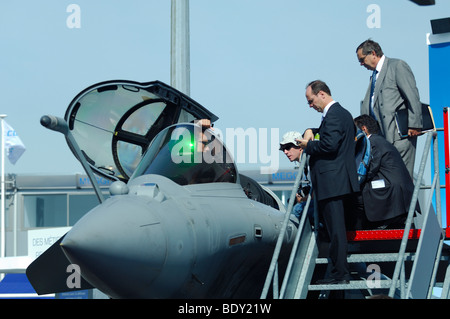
x,y
250,61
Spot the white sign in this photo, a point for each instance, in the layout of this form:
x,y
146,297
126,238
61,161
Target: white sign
x,y
40,240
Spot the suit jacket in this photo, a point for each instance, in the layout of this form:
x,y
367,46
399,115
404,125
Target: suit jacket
x,y
332,157
395,89
388,190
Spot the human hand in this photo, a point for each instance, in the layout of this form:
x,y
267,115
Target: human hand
x,y
302,143
308,135
414,132
204,123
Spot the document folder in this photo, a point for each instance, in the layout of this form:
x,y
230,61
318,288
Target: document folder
x,y
401,120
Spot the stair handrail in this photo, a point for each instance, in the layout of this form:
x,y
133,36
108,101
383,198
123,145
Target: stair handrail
x,y
301,226
434,189
438,212
409,219
274,262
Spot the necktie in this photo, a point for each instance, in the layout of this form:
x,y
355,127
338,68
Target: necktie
x,y
372,89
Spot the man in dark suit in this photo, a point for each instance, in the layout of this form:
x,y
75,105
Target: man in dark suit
x,y
388,189
333,171
392,88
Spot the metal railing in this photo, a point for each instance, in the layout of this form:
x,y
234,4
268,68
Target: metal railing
x,y
399,272
435,186
272,274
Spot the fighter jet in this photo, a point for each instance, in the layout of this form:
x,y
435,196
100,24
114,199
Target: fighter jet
x,y
180,221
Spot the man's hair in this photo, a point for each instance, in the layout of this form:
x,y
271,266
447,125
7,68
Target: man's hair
x,y
369,122
368,46
317,86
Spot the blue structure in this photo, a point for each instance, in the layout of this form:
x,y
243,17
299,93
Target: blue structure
x,y
439,73
17,286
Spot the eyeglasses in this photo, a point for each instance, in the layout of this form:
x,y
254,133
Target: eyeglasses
x,y
362,59
286,147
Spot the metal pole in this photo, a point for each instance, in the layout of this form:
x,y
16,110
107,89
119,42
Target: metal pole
x,y
438,179
3,228
447,166
180,50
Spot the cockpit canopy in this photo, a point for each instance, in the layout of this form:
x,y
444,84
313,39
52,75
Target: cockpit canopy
x,y
113,122
188,154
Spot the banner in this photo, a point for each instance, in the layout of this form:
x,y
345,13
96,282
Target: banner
x,y
13,144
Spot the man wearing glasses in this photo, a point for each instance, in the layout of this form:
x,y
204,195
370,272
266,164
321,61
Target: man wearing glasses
x,y
331,148
392,87
293,152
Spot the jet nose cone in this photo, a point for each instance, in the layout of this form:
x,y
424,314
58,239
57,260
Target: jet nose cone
x,y
119,246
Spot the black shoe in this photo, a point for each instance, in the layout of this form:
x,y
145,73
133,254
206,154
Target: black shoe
x,y
332,281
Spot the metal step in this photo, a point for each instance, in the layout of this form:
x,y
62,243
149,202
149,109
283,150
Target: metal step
x,y
354,284
382,257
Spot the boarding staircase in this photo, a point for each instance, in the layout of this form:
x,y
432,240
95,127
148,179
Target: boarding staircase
x,y
402,263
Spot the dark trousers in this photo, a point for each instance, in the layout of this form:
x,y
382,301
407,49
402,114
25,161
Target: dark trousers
x,y
356,217
333,213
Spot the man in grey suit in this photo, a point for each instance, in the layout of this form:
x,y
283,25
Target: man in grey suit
x,y
392,87
333,172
